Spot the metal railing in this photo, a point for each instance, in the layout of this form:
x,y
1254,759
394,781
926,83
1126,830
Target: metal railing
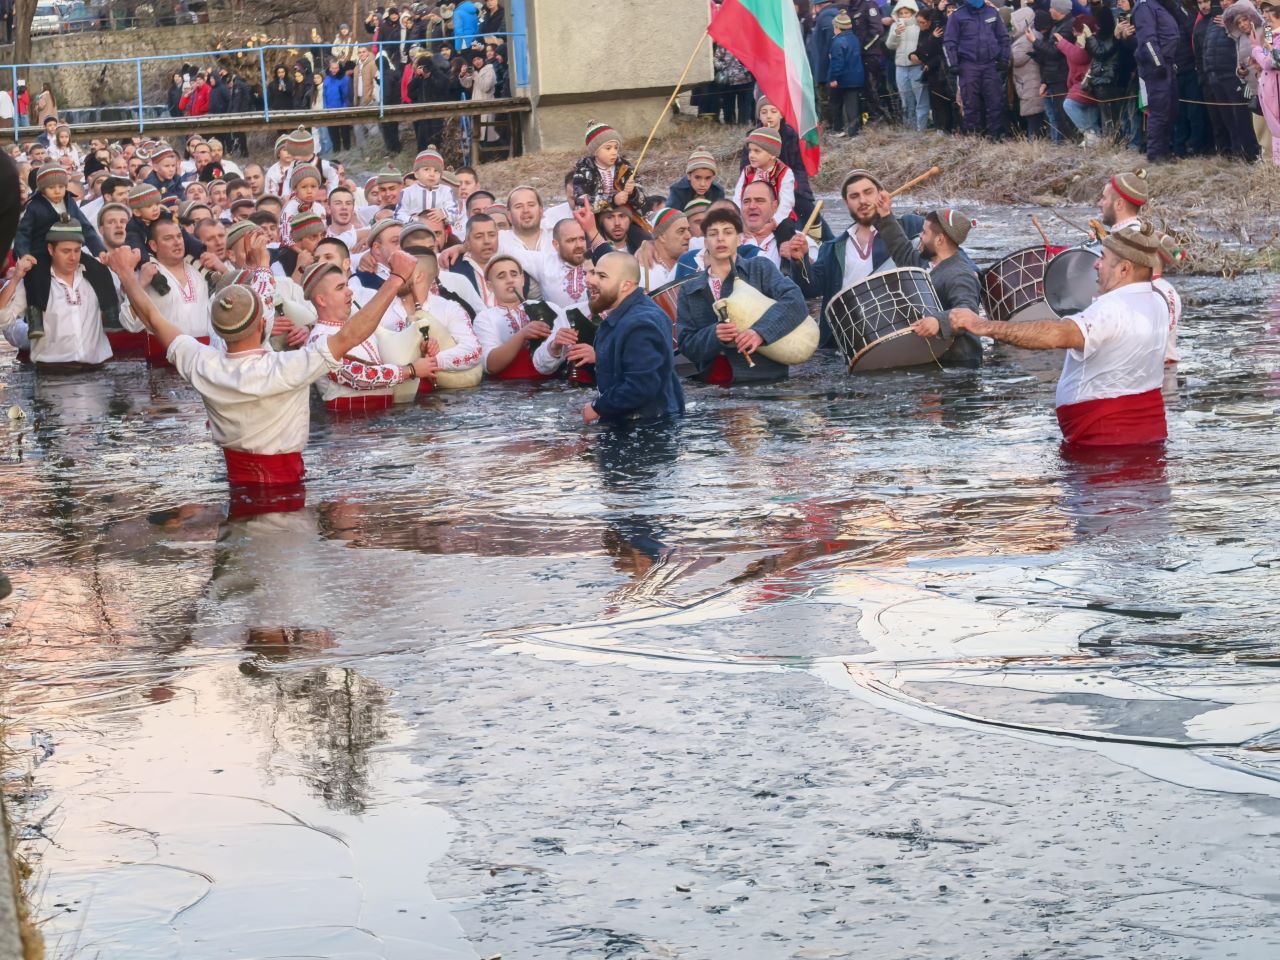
x,y
516,43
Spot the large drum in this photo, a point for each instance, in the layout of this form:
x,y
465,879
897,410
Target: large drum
x,y
1070,281
667,296
1013,287
871,321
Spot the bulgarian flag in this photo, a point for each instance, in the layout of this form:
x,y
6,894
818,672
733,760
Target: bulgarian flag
x,y
765,35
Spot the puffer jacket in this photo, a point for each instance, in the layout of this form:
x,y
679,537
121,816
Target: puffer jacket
x,y
1053,65
1219,56
1026,72
1105,69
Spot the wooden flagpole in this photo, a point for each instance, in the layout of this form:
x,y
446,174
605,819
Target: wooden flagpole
x,y
670,100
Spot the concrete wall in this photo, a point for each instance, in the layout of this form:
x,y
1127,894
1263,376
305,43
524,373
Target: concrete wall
x,y
87,86
611,60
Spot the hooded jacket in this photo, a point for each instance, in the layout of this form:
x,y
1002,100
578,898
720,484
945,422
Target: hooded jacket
x,y
903,44
1026,72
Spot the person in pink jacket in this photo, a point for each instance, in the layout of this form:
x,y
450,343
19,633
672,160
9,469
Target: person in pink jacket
x,y
1266,52
1080,107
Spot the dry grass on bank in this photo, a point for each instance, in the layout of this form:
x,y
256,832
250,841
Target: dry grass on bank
x,y
1225,213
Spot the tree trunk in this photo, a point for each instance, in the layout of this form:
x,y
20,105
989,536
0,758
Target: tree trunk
x,y
24,12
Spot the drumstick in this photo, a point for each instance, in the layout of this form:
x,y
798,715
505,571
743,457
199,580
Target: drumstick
x,y
1035,222
813,217
927,175
1099,231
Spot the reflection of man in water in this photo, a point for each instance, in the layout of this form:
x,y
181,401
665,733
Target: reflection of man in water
x,y
1109,391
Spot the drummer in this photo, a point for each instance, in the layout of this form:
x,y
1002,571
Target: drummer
x,y
858,252
1122,199
717,349
1109,391
954,275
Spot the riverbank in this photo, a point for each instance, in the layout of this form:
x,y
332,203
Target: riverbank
x,y
1223,212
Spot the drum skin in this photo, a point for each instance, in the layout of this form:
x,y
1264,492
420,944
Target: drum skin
x,y
871,321
1070,282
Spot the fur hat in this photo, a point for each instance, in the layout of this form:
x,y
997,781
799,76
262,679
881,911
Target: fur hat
x,y
65,230
1140,244
306,171
598,134
238,231
50,175
235,312
312,276
305,225
767,139
143,195
429,157
955,225
1132,187
701,159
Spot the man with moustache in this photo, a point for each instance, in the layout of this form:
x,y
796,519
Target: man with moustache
x,y
857,253
633,356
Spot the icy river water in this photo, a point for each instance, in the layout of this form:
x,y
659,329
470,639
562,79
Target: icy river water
x,y
841,667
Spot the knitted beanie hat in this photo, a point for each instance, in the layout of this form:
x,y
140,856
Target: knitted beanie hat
x,y
185,209
955,225
701,159
767,139
235,312
233,278
429,157
108,207
312,276
1132,187
843,21
381,226
306,171
307,225
64,230
664,219
418,233
696,204
143,195
161,151
300,143
859,174
50,175
1142,245
598,134
238,231
388,178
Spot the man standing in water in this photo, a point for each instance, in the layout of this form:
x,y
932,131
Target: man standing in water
x,y
635,364
1109,391
258,400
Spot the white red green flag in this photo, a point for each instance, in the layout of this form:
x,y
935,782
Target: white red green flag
x,y
766,36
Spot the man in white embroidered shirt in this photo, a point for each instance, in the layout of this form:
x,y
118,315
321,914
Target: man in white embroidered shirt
x,y
1109,391
72,294
257,400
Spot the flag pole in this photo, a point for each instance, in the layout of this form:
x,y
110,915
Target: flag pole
x,y
670,100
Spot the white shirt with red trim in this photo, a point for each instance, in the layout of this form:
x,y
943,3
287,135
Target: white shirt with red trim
x,y
494,326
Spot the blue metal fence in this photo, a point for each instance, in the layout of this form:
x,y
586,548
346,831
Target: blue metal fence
x,y
517,52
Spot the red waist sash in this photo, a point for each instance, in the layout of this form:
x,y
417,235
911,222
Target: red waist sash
x,y
124,343
262,469
425,386
361,403
1132,420
721,371
521,368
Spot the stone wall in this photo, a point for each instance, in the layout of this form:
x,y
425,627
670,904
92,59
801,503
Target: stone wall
x,y
90,83
607,60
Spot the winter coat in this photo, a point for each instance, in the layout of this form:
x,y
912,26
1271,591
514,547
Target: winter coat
x,y
492,23
466,24
219,97
818,45
975,38
845,67
1026,72
1155,39
337,91
1104,56
174,99
196,103
929,53
280,94
1244,44
903,44
1219,56
1078,62
1200,36
33,229
866,15
588,183
635,365
792,157
681,193
1053,65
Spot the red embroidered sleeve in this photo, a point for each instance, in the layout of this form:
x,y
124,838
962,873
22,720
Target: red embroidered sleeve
x,y
359,375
